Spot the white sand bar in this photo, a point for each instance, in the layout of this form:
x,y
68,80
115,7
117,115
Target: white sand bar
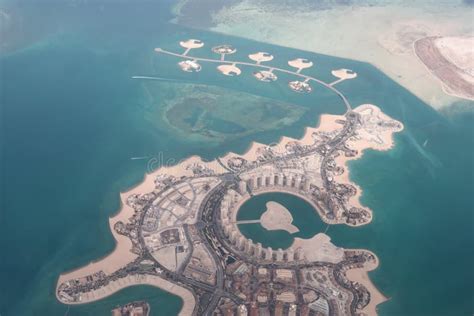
x,y
300,63
261,57
344,73
229,70
191,43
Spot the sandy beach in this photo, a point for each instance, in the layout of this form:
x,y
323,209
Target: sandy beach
x,y
451,61
370,134
361,145
122,254
361,276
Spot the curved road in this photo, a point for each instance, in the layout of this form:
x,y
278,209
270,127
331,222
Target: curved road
x,y
269,68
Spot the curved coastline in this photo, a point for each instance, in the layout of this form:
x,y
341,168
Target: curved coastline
x,y
361,148
327,122
359,275
451,78
122,254
122,249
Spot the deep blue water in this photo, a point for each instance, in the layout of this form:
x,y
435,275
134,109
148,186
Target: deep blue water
x,y
71,119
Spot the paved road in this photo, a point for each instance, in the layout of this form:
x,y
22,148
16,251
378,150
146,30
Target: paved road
x,y
269,68
211,230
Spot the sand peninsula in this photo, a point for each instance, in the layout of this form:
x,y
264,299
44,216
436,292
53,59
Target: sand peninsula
x,y
451,60
177,229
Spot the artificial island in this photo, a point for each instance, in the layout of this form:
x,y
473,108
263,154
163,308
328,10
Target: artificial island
x,y
178,229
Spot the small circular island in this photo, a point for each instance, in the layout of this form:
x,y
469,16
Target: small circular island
x,y
253,224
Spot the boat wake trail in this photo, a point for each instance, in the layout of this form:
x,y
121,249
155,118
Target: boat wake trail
x,y
154,78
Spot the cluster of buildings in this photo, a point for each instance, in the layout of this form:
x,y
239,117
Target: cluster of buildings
x,y
180,224
224,49
189,66
265,76
138,308
228,220
71,290
307,290
300,86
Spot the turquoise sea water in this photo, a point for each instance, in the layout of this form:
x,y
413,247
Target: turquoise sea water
x,y
72,117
